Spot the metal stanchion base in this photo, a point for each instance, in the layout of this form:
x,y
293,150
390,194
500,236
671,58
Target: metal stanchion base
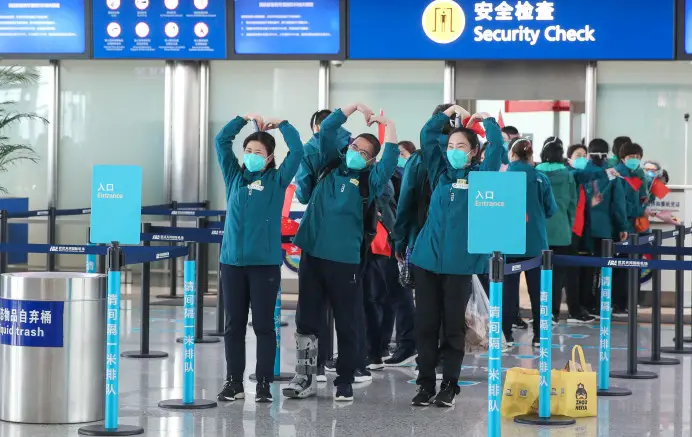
x,y
197,404
641,374
169,296
202,340
101,430
672,350
213,333
614,392
661,361
283,323
283,377
686,339
139,354
533,419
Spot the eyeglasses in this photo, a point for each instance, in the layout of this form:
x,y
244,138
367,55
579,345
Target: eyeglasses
x,y
364,153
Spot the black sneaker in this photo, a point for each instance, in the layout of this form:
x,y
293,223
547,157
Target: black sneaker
x,y
321,377
344,393
362,375
330,366
445,398
595,313
262,390
401,357
375,364
520,324
423,398
581,319
231,391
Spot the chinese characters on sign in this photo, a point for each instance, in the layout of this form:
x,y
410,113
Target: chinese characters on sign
x,y
522,11
31,323
545,333
604,340
112,339
189,326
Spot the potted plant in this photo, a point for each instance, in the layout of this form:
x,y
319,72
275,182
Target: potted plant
x,y
10,151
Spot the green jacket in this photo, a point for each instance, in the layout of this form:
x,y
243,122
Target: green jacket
x,y
442,244
559,226
306,178
635,200
407,224
540,206
332,226
252,232
605,202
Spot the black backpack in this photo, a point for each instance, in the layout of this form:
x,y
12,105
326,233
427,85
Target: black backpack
x,y
423,193
369,209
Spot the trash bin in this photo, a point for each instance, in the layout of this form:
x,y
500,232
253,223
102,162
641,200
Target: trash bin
x,y
52,347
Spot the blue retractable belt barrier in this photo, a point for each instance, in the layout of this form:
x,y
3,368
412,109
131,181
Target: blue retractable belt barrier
x,y
27,214
163,233
79,211
215,225
587,261
183,212
140,254
64,249
529,264
656,250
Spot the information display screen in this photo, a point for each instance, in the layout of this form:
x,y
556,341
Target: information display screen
x,y
513,29
288,28
42,28
159,29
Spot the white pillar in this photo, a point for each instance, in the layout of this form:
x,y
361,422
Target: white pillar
x,y
53,134
323,86
450,85
591,87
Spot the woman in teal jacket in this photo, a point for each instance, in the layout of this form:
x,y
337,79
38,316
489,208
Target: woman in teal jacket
x,y
251,248
443,267
540,206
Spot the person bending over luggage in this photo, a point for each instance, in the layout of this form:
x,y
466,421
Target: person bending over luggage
x,y
251,249
331,236
443,267
540,205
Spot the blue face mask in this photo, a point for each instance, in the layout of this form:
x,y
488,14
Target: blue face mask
x,y
254,162
506,145
651,174
632,163
457,158
401,162
579,163
355,161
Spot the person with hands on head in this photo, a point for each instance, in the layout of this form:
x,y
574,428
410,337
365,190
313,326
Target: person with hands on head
x,y
443,268
251,254
332,236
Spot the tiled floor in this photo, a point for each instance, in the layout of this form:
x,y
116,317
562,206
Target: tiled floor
x,y
660,407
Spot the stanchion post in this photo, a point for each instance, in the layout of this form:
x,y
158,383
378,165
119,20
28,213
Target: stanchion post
x,y
188,401
90,258
52,236
202,270
604,387
173,262
497,266
220,309
101,263
111,426
144,351
4,238
330,333
278,376
543,418
679,347
632,323
656,358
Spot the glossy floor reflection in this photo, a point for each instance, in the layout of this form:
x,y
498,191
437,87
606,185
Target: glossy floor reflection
x,y
659,407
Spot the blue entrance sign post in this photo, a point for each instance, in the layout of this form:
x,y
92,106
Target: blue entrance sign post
x,y
116,206
495,199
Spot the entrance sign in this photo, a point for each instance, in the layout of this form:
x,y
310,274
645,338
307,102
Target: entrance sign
x,y
497,209
116,204
512,29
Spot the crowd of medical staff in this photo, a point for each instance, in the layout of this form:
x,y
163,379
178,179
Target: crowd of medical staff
x,y
384,241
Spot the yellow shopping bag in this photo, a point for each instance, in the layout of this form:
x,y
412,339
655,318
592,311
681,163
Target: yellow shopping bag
x,y
520,392
578,384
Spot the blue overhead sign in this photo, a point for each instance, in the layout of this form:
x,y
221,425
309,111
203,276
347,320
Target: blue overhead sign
x,y
497,203
516,29
42,27
116,204
686,25
161,29
287,27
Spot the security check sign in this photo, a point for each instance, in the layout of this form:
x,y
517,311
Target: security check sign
x,y
116,204
497,212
